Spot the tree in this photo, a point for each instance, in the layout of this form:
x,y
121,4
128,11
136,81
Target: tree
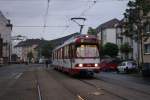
x,y
136,11
144,5
134,14
91,31
110,49
46,50
125,49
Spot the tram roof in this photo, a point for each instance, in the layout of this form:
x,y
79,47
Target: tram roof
x,y
74,38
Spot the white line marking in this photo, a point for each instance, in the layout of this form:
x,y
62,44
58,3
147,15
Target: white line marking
x,y
39,93
80,98
17,76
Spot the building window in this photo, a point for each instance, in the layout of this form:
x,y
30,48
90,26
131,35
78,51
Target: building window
x,y
147,48
147,28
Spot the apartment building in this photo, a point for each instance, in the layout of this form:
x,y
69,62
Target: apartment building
x,y
5,35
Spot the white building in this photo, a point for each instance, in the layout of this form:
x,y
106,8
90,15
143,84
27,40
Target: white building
x,y
106,32
23,48
146,39
5,34
122,38
112,31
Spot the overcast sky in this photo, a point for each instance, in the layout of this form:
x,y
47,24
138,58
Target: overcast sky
x,y
32,13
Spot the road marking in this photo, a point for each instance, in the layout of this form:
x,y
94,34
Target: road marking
x,y
96,93
80,98
39,92
17,76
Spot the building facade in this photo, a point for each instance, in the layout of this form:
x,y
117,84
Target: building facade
x,y
5,35
106,32
23,48
123,38
146,39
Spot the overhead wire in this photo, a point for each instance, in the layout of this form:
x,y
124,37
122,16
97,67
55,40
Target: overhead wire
x,y
90,6
41,26
46,15
67,26
84,11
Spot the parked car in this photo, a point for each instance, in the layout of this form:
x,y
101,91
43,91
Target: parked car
x,y
42,61
109,64
127,66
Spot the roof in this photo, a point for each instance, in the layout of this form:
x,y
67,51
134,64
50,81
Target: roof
x,y
30,42
121,23
74,38
108,24
61,40
39,42
3,19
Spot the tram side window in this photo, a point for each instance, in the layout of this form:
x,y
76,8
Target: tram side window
x,y
66,52
71,51
58,53
55,54
61,53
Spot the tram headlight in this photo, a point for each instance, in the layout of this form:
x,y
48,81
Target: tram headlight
x,y
96,65
80,65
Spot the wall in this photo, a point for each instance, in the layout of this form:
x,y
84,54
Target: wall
x,y
5,32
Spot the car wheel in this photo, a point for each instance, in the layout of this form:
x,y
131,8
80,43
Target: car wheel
x,y
117,71
126,70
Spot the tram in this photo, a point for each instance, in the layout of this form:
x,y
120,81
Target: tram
x,y
78,55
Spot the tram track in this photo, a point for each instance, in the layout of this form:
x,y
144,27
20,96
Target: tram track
x,y
106,86
72,91
39,94
103,88
121,85
99,88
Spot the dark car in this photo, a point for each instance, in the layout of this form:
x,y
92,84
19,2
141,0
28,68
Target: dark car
x,y
109,64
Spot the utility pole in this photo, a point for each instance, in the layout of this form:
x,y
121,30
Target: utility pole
x,y
81,25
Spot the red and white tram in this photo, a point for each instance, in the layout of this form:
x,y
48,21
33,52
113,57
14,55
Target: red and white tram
x,y
77,55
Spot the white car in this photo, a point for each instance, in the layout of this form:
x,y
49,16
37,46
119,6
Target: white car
x,y
127,66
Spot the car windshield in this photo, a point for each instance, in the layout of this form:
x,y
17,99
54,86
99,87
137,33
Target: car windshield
x,y
87,51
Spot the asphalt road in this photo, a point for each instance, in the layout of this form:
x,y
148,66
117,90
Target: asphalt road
x,y
35,82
